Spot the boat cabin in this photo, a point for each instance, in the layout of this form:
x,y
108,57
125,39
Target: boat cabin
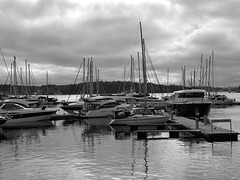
x,y
189,95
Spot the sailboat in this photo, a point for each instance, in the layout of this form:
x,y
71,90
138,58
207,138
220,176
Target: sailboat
x,y
140,115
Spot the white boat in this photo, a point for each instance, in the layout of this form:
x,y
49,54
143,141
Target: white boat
x,y
220,100
138,117
101,109
73,107
191,102
22,116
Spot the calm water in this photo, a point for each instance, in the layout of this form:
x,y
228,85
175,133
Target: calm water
x,y
73,150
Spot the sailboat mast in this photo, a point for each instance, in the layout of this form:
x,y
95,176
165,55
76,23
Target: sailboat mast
x,y
47,82
212,71
144,67
83,89
139,74
91,78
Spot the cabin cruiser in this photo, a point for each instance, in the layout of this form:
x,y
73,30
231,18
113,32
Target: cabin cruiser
x,y
77,106
23,116
101,109
190,102
220,100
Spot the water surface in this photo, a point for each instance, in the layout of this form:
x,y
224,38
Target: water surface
x,y
74,150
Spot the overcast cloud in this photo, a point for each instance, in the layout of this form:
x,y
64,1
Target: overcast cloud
x,y
55,36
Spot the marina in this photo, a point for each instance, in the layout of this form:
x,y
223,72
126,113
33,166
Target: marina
x,y
70,149
115,90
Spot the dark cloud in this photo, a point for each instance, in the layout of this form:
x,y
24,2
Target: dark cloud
x,y
56,35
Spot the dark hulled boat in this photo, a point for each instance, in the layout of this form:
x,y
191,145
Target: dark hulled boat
x,y
191,103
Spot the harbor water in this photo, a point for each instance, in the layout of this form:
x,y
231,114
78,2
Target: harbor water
x,y
74,150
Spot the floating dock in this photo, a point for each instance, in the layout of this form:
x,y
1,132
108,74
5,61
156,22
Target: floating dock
x,y
178,124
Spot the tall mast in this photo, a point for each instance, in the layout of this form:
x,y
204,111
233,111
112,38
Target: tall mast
x,y
83,89
124,81
132,70
47,82
91,77
201,72
26,76
29,79
167,79
209,73
11,81
212,71
144,67
15,76
139,73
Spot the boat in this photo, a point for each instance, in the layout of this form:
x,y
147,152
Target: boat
x,y
137,116
73,107
142,115
220,100
100,109
23,116
190,103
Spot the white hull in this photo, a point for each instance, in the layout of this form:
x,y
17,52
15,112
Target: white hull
x,y
22,119
141,120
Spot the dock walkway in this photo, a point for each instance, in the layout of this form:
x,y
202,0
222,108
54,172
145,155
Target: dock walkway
x,y
209,131
179,124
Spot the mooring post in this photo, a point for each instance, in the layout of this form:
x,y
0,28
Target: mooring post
x,y
171,112
197,123
141,135
205,120
176,112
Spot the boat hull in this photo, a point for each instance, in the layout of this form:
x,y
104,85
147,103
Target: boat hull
x,y
71,109
26,119
140,120
192,109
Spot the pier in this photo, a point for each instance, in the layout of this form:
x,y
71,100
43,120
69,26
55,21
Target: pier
x,y
206,129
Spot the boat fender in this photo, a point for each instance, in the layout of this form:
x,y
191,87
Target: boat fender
x,y
44,107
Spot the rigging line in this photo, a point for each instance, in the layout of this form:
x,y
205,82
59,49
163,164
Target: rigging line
x,y
75,81
5,65
150,61
79,91
136,42
52,87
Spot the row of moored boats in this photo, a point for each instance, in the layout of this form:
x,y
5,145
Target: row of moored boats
x,y
113,110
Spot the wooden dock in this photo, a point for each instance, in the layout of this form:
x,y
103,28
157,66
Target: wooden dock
x,y
178,124
208,130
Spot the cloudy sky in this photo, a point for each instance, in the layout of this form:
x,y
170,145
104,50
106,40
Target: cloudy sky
x,y
55,36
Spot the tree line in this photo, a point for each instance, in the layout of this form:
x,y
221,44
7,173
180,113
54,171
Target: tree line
x,y
103,87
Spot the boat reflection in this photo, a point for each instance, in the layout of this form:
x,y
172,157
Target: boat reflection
x,y
98,121
24,138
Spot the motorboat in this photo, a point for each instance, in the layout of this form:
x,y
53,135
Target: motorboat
x,y
73,107
76,107
220,100
139,116
101,109
22,116
190,102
